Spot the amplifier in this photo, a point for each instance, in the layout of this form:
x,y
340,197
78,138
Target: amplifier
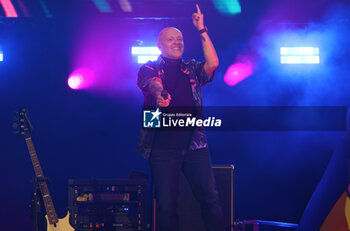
x,y
108,205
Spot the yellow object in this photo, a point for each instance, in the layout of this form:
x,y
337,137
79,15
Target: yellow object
x,y
82,198
61,225
338,218
347,211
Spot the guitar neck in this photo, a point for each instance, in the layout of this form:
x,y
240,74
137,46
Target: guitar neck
x,y
50,209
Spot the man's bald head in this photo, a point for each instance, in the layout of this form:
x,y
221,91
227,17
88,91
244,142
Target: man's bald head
x,y
170,42
166,31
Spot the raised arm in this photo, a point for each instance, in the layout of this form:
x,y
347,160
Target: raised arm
x,y
211,58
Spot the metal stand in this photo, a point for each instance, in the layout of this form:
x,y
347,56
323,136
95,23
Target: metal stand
x,y
36,206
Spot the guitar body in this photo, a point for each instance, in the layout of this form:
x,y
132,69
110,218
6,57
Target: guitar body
x,y
61,225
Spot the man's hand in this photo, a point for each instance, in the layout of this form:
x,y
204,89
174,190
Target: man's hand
x,y
163,102
156,88
197,19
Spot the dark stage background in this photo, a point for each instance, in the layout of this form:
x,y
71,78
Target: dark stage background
x,y
92,133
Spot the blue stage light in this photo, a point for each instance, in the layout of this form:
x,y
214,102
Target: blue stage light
x,y
145,58
46,9
145,51
145,54
1,56
300,55
228,7
102,5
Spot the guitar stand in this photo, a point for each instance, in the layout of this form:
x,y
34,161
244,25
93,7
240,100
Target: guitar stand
x,y
36,205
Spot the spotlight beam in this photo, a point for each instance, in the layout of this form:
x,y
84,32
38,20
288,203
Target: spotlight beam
x,y
9,8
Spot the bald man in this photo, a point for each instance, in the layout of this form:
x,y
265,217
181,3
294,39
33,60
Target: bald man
x,y
170,83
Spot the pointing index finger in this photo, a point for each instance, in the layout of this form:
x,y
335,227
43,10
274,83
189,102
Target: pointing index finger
x,y
198,10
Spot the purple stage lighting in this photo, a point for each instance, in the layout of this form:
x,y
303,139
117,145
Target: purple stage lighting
x,y
237,72
80,78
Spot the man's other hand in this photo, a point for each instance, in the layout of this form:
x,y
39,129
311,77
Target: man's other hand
x,y
197,19
163,102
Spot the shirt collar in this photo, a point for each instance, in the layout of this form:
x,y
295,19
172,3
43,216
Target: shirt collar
x,y
160,63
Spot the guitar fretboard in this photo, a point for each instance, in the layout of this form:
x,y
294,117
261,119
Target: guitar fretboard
x,y
50,209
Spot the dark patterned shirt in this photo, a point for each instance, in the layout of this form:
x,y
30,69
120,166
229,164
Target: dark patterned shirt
x,y
154,71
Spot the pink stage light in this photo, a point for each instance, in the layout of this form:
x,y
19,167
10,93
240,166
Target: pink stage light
x,y
75,81
9,8
80,79
237,72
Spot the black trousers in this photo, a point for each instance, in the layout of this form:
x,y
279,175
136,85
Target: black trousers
x,y
165,168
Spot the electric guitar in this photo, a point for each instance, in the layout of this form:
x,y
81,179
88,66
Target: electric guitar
x,y
53,223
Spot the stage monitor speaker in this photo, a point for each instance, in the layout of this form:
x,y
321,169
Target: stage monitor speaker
x,y
189,210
